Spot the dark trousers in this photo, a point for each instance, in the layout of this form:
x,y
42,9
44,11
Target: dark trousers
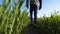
x,y
33,8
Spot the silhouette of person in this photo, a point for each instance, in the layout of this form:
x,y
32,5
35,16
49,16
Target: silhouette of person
x,y
33,8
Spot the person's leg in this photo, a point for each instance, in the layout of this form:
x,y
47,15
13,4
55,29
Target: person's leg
x,y
35,14
31,12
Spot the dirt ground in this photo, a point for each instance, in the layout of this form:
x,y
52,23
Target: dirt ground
x,y
32,30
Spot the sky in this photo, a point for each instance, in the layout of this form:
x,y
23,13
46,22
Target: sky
x,y
48,7
1,2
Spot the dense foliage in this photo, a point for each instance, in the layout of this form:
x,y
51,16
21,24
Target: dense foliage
x,y
49,25
12,21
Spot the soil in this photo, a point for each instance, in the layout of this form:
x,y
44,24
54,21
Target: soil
x,y
32,30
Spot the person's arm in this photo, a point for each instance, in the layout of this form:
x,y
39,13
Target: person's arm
x,y
40,2
27,3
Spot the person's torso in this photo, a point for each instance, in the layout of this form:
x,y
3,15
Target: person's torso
x,y
33,1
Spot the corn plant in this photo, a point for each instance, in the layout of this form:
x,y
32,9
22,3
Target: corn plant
x,y
12,21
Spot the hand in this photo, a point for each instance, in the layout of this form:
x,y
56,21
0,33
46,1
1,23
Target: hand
x,y
27,5
40,8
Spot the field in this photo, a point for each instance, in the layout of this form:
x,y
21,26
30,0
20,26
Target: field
x,y
16,22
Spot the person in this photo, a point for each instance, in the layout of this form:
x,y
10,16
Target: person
x,y
33,8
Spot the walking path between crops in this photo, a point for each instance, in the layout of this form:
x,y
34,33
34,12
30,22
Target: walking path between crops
x,y
32,29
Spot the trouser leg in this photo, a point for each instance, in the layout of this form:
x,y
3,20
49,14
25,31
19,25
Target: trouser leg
x,y
31,16
35,14
31,12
